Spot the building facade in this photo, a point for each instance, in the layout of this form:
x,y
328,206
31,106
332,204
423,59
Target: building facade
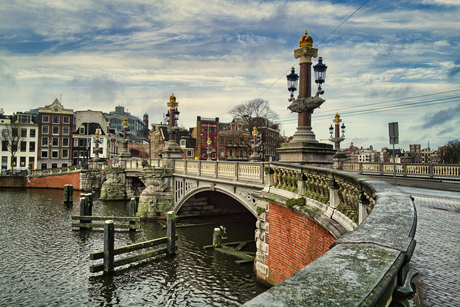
x,y
55,131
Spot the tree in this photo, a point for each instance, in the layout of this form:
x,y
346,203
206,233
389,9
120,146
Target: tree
x,y
12,136
252,114
452,152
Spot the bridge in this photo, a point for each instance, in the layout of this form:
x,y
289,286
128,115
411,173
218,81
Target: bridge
x,y
323,236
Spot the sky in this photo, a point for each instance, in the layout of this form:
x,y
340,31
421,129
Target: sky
x,y
388,61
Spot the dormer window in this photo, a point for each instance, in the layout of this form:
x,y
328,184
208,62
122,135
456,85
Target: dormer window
x,y
56,109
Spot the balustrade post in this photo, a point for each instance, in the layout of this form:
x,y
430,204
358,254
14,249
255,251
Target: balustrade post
x,y
381,168
431,171
334,199
360,168
362,207
300,184
216,169
185,166
404,169
199,167
236,171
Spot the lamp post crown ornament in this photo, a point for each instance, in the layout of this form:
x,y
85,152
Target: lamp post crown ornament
x,y
306,40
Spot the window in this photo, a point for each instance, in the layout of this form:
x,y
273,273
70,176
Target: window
x,y
55,142
66,120
31,146
24,118
55,130
75,142
189,153
45,141
22,161
45,153
32,133
55,154
23,133
64,164
82,130
45,119
31,160
44,166
4,163
65,153
23,146
65,142
55,119
4,145
65,130
14,132
14,161
75,153
45,129
5,132
81,142
54,165
182,143
56,110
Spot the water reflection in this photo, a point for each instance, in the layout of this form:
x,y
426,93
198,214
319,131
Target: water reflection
x,y
44,262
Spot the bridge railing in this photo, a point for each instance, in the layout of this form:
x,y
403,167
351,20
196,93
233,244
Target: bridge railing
x,y
437,171
238,171
54,171
366,266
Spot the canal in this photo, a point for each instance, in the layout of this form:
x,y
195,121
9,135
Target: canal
x,y
46,263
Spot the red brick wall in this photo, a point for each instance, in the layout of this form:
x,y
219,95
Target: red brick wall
x,y
294,241
12,182
55,181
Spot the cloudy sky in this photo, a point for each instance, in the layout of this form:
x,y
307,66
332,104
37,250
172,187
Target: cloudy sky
x,y
391,61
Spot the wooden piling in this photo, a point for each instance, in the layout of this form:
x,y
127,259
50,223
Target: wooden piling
x,y
217,237
86,209
109,242
171,233
132,212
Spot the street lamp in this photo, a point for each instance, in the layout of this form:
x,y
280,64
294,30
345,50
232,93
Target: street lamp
x,y
292,80
320,73
337,138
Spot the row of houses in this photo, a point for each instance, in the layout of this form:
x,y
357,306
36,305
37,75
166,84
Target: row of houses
x,y
415,155
54,136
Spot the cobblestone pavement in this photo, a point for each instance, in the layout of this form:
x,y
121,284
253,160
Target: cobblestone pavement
x,y
437,254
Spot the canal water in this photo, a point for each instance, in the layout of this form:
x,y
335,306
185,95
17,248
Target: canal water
x,y
43,262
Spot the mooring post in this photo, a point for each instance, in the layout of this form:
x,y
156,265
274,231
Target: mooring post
x,y
66,193
109,238
70,192
82,211
171,233
217,237
132,212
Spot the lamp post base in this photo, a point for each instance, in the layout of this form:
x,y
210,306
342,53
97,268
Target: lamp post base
x,y
307,153
304,134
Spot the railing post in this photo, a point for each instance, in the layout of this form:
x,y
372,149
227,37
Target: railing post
x,y
236,171
360,168
381,168
216,169
404,169
300,184
185,166
171,233
109,238
334,199
363,203
199,167
431,171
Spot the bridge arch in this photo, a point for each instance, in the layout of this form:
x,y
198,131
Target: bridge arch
x,y
243,198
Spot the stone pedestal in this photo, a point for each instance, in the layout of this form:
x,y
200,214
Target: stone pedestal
x,y
339,158
157,198
171,152
307,153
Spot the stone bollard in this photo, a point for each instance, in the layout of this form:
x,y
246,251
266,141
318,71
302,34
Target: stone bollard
x,y
132,212
171,233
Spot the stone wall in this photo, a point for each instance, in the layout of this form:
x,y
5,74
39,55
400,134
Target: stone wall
x,y
12,182
211,203
54,181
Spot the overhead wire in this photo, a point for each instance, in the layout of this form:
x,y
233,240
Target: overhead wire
x,y
316,45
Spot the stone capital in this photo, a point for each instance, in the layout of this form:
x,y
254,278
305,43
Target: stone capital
x,y
305,54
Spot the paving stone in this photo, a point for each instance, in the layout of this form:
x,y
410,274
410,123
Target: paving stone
x,y
437,254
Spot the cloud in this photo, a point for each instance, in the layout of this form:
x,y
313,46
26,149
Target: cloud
x,y
104,89
393,91
440,117
7,74
454,70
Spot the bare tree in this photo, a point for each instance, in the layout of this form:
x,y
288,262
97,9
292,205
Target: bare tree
x,y
12,136
452,154
252,114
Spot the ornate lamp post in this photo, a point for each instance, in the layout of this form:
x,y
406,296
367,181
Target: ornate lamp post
x,y
172,150
125,152
209,149
337,138
256,144
304,104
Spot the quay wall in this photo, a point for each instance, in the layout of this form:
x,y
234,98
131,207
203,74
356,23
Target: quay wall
x,y
52,181
12,181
